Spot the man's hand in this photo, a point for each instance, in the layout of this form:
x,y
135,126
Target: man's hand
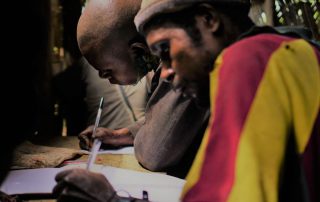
x,y
82,185
120,137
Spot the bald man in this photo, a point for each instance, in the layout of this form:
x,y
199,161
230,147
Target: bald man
x,y
168,138
109,41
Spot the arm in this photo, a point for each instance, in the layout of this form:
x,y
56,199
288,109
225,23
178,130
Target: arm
x,y
172,122
120,137
81,185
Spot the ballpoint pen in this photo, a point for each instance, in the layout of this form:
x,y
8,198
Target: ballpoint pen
x,y
96,143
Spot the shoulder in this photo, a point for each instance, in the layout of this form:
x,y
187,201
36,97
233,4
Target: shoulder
x,y
254,51
261,44
245,61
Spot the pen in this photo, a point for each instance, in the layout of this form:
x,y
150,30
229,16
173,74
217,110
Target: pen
x,y
96,143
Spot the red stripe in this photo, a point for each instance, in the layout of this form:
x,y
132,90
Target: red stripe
x,y
311,158
241,72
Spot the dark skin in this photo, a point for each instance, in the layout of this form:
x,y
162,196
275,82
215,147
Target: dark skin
x,y
107,38
80,185
109,41
76,184
180,44
115,138
190,62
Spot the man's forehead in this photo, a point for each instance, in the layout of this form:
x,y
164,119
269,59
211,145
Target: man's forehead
x,y
167,30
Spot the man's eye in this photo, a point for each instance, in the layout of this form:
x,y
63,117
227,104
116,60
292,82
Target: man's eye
x,y
162,50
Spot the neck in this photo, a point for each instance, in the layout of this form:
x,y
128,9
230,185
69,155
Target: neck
x,y
234,31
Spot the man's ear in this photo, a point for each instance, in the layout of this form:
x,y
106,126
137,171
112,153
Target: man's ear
x,y
210,17
139,48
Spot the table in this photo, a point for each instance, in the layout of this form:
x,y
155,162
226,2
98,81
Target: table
x,y
127,161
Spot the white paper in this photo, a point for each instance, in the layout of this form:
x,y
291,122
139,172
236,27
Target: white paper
x,y
30,181
124,150
160,187
93,154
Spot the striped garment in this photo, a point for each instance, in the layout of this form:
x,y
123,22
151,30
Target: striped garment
x,y
263,140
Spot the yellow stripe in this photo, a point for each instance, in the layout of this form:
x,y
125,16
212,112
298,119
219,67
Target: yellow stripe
x,y
194,173
305,79
290,88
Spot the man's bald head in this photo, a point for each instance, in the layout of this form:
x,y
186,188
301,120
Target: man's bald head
x,y
102,20
110,42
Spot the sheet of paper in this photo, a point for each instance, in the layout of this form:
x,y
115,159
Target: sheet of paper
x,y
93,153
123,150
37,181
160,187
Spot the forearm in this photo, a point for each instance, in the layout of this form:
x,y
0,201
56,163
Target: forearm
x,y
135,127
170,127
120,137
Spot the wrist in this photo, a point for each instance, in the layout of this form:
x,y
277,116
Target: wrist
x,y
122,132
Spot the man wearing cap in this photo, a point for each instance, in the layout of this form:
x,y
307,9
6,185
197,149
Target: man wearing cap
x,y
263,138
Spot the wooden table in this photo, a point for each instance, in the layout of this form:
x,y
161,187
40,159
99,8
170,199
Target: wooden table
x,y
127,161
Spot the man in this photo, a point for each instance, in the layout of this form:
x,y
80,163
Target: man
x,y
163,141
123,105
262,142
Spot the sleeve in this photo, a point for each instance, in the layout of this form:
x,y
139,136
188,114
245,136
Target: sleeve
x,y
172,122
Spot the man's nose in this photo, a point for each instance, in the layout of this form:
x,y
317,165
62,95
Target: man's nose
x,y
167,73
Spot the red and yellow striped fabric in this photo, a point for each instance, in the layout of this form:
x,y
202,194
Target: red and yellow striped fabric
x,y
263,140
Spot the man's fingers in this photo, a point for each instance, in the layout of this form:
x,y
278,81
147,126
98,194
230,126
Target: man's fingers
x,y
58,189
61,175
84,141
74,195
87,131
85,138
99,133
